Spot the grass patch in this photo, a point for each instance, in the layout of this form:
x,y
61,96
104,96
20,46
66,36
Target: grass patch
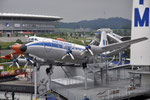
x,y
5,45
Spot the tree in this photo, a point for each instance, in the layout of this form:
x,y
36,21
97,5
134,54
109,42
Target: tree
x,y
19,41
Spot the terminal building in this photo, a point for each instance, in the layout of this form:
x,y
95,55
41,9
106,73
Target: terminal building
x,y
12,24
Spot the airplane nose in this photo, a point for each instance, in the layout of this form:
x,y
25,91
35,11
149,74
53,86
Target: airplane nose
x,y
23,48
16,47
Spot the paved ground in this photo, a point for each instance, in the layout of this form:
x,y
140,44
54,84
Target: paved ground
x,y
12,39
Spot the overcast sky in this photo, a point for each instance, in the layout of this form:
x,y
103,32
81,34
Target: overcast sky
x,y
70,10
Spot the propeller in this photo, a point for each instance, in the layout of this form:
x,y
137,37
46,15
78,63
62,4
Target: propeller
x,y
28,61
15,61
68,53
87,48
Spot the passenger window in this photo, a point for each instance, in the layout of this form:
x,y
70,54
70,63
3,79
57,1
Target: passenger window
x,y
32,39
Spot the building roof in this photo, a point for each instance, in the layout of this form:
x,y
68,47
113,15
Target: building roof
x,y
15,15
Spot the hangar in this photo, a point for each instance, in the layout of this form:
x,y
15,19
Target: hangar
x,y
12,24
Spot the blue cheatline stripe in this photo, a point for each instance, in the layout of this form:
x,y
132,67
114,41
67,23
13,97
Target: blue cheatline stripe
x,y
141,2
54,45
103,42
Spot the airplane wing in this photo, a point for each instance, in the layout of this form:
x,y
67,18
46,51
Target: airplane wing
x,y
114,52
97,49
9,56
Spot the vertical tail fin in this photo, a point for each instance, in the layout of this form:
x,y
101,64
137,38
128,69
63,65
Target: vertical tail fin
x,y
104,40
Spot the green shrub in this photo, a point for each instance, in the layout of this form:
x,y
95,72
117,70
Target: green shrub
x,y
19,41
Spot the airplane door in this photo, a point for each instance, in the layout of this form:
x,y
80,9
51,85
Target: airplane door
x,y
47,45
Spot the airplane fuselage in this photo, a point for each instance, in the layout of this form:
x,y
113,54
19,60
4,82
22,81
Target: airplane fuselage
x,y
50,50
54,50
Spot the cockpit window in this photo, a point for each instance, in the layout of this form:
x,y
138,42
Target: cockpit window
x,y
32,39
36,39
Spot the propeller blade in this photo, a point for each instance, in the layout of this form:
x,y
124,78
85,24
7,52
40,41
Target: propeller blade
x,y
64,56
18,56
90,52
83,42
22,55
12,56
83,52
31,61
17,65
11,65
71,56
92,42
25,66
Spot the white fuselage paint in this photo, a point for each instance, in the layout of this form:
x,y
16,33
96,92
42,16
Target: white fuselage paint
x,y
54,50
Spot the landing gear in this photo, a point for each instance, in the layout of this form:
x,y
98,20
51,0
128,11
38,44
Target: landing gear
x,y
84,65
49,72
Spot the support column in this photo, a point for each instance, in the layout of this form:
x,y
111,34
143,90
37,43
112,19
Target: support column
x,y
49,82
84,65
30,75
102,75
95,82
120,58
85,81
35,82
13,95
51,72
107,80
118,74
